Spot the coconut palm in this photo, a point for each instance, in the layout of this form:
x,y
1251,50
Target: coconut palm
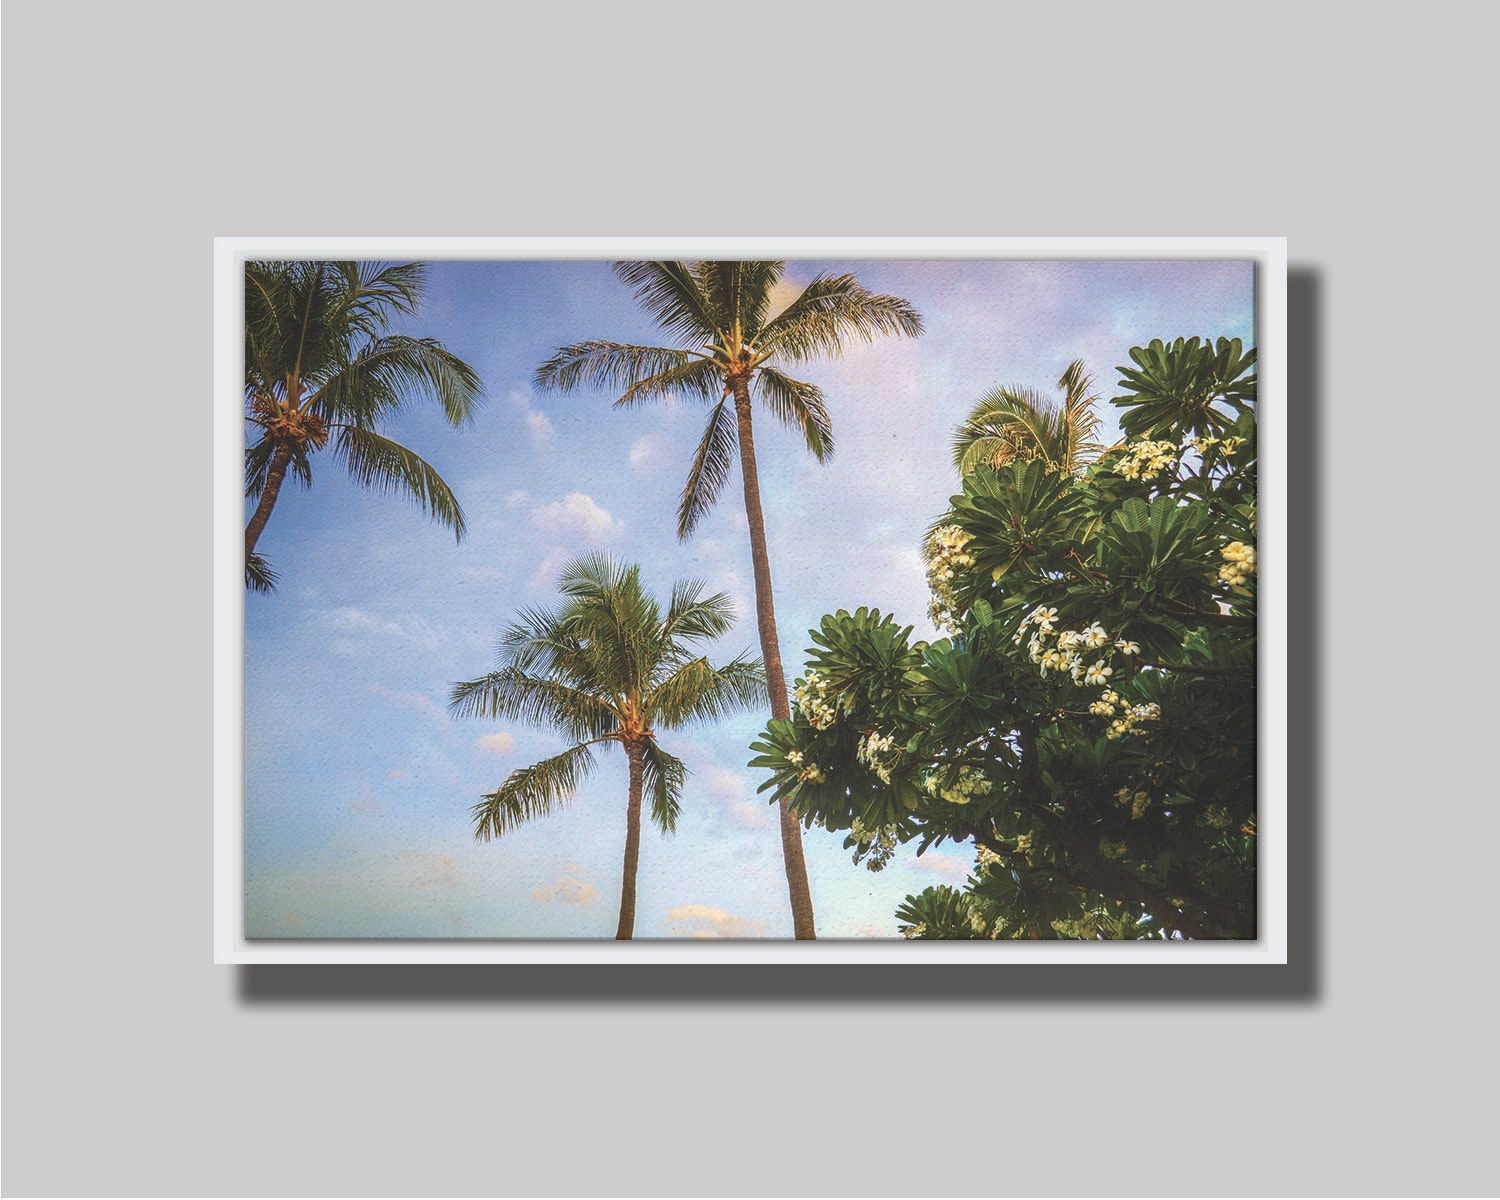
x,y
607,666
721,316
1019,424
322,369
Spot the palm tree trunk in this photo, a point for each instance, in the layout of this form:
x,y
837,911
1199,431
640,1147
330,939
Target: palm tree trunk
x,y
275,473
770,652
632,846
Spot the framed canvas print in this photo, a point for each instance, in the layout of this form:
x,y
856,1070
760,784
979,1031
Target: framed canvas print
x,y
750,600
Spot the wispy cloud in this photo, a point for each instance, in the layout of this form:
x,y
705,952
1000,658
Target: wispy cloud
x,y
645,451
948,866
570,888
353,622
431,870
414,700
538,425
705,921
733,793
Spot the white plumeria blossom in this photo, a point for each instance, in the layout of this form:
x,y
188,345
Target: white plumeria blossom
x,y
948,559
1146,460
812,700
870,750
1239,564
969,783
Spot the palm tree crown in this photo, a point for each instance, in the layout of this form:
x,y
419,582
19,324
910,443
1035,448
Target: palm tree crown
x,y
607,666
322,369
1018,424
721,316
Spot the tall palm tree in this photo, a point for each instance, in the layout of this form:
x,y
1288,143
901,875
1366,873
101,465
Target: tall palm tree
x,y
322,367
720,314
605,667
1019,424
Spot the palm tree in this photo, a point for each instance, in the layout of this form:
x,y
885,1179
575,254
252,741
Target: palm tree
x,y
1018,424
607,666
322,367
720,313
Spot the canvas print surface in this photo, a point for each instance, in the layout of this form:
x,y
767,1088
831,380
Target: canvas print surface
x,y
739,599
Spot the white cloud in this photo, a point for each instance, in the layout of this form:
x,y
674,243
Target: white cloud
x,y
575,521
496,743
517,498
539,425
578,514
705,921
568,888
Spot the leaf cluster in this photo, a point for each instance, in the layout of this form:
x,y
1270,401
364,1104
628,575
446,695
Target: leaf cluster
x,y
1131,817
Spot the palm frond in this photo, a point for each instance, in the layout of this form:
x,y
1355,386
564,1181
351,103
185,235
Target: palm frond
x,y
739,291
1005,425
612,616
608,365
663,777
532,792
1017,424
692,616
258,466
672,293
799,405
258,574
831,310
1079,415
700,378
698,692
391,371
510,693
378,291
537,642
386,466
712,464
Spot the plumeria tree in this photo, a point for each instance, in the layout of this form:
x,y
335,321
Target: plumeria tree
x,y
1088,724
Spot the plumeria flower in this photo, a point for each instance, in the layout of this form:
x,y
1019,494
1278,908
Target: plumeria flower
x,y
1125,647
1098,674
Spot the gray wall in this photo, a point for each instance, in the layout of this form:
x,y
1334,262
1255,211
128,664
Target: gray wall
x,y
135,133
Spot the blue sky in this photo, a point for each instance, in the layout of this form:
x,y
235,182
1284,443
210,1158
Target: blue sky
x,y
359,782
